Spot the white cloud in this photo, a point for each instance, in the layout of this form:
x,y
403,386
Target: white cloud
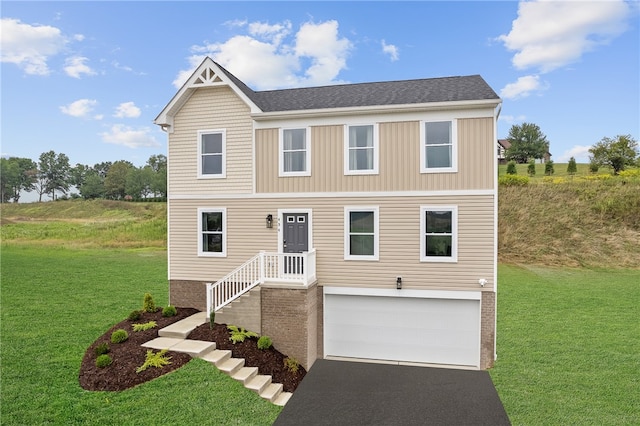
x,y
30,46
81,108
314,55
551,34
579,152
127,110
523,87
120,134
512,119
75,66
390,50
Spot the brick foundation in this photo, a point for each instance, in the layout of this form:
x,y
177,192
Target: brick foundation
x,y
188,294
487,330
290,318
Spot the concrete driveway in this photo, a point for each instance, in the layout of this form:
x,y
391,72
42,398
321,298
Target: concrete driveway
x,y
354,393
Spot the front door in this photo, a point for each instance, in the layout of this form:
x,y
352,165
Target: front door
x,y
295,239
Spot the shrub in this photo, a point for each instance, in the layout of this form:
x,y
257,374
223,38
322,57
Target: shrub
x,y
594,167
158,360
572,167
212,319
531,168
134,315
511,168
143,327
291,364
169,311
513,180
548,168
102,348
119,336
149,305
103,361
264,343
239,334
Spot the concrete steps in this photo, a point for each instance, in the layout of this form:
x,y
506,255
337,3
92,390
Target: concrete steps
x,y
170,339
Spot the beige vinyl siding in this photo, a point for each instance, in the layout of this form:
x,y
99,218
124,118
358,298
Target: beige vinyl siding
x,y
399,161
213,108
399,240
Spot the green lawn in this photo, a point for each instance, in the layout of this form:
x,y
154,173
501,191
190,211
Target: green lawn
x,y
569,346
55,303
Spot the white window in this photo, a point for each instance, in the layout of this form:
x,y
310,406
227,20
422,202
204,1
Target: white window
x,y
439,234
295,152
361,149
438,149
212,154
361,233
212,232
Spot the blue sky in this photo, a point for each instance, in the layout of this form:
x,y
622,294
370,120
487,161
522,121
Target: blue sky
x,y
87,78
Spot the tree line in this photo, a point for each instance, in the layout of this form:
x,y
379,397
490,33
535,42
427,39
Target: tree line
x,y
54,176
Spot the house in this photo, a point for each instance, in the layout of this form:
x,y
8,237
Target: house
x,y
353,221
505,144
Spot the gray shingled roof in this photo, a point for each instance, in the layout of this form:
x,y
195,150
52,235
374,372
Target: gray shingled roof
x,y
445,89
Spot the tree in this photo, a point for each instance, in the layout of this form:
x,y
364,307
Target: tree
x,y
138,183
53,173
16,175
116,180
548,168
511,168
158,164
531,168
527,142
616,153
572,167
93,186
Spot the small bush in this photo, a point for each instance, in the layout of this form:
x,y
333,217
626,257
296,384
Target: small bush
x,y
158,360
531,168
169,311
144,327
548,168
572,167
212,319
291,364
102,348
513,180
264,343
239,334
134,315
149,305
119,336
511,168
103,361
594,167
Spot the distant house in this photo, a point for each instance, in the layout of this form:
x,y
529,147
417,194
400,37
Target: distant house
x,y
504,144
349,221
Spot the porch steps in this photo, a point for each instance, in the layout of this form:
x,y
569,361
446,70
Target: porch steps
x,y
222,359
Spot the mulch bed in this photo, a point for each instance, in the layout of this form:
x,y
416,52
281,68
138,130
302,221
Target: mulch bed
x,y
129,355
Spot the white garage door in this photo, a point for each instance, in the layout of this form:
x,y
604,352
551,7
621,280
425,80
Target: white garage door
x,y
405,325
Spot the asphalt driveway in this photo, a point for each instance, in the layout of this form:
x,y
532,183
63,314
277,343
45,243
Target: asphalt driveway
x,y
353,393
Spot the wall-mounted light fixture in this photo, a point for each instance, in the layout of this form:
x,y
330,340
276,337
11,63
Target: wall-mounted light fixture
x,y
269,221
398,283
482,282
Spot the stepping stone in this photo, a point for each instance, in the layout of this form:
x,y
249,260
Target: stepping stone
x,y
231,366
162,343
283,398
258,384
245,374
182,328
272,391
195,348
217,356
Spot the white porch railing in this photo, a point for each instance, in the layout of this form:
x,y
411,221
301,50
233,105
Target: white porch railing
x,y
289,268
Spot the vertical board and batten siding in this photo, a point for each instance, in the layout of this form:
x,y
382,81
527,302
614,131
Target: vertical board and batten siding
x,y
399,161
213,108
399,241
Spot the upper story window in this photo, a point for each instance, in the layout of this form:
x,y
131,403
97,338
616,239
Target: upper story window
x,y
212,225
438,152
361,235
361,149
295,152
212,153
439,234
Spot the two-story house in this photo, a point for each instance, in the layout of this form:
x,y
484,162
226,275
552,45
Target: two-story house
x,y
361,219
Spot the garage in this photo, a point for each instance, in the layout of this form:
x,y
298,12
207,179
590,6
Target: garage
x,y
424,326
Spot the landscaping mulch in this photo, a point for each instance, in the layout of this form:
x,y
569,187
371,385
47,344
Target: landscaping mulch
x,y
129,355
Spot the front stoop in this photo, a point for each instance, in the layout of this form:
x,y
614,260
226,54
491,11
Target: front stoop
x,y
170,338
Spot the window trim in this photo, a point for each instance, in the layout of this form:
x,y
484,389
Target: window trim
x,y
376,150
454,148
201,211
454,234
307,136
376,230
223,173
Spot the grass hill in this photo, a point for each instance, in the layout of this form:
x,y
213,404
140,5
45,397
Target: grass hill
x,y
591,221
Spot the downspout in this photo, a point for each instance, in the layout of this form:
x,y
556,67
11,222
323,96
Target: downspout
x,y
497,112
